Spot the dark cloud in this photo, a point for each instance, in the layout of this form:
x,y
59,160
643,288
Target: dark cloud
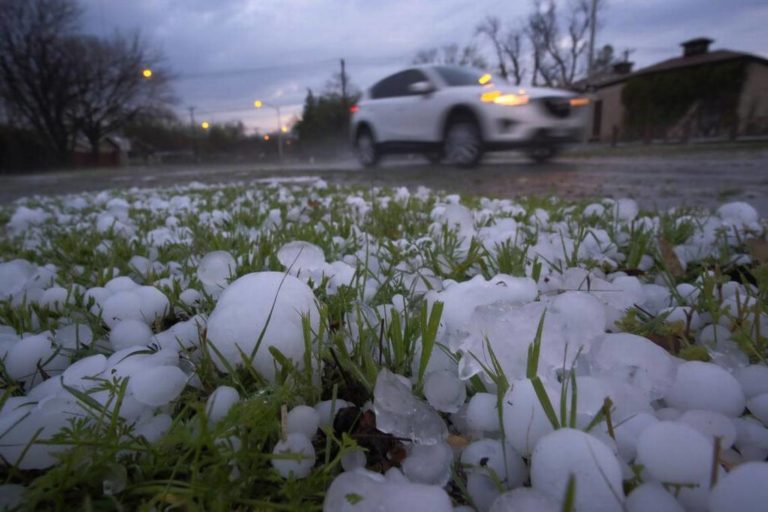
x,y
296,44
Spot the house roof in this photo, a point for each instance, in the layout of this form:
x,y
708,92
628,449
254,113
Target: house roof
x,y
673,63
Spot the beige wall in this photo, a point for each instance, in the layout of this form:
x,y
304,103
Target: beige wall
x,y
612,115
753,105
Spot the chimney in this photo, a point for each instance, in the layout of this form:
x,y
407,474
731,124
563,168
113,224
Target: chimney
x,y
622,68
697,46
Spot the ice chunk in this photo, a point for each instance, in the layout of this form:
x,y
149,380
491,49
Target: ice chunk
x,y
461,299
259,311
14,275
483,490
429,464
41,422
215,270
583,314
294,455
753,379
567,452
153,428
700,385
492,458
220,402
353,459
54,298
525,499
27,356
738,214
327,409
482,413
80,375
743,489
129,333
158,385
191,297
628,431
634,360
673,452
652,496
758,406
711,424
365,491
301,258
303,419
144,303
121,284
444,391
524,419
73,336
625,209
401,414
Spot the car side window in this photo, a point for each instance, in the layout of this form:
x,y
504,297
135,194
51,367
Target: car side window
x,y
397,84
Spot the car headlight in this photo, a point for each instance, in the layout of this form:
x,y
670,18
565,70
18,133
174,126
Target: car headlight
x,y
579,102
511,100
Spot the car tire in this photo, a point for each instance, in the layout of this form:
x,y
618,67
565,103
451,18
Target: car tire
x,y
463,144
543,153
365,148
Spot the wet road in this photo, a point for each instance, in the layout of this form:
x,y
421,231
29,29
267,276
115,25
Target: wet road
x,y
700,178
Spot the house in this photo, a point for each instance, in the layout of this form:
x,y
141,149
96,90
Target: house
x,y
112,152
701,93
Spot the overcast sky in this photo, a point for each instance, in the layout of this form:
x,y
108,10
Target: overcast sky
x,y
229,52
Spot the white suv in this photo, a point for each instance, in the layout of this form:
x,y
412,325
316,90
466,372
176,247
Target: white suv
x,y
455,114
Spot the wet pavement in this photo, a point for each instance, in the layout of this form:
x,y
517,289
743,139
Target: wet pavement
x,y
699,178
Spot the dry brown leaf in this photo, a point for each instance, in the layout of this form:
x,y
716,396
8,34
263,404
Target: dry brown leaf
x,y
758,249
670,259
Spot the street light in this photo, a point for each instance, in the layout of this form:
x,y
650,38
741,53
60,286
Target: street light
x,y
280,128
204,125
147,73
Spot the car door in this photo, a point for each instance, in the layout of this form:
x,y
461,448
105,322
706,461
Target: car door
x,y
416,111
383,108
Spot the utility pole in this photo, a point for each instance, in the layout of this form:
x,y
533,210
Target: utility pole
x,y
592,27
194,132
344,86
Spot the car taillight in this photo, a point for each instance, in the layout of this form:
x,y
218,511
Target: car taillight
x,y
354,108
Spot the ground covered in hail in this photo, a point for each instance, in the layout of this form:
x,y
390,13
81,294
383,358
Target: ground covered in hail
x,y
298,346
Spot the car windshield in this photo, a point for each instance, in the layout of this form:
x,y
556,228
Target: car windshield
x,y
456,77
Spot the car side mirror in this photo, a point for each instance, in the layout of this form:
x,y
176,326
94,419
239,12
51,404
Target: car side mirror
x,y
422,87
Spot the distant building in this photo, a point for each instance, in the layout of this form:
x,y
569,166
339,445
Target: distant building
x,y
701,93
112,152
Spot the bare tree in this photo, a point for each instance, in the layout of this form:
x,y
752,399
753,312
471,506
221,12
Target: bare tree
x,y
513,49
490,27
453,55
558,44
36,76
110,89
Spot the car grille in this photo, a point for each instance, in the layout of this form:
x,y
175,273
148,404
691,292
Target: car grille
x,y
557,107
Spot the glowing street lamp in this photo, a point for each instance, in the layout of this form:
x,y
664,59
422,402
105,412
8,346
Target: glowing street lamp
x,y
204,125
146,73
280,128
266,138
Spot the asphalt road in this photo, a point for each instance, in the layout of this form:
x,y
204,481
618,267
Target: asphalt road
x,y
698,178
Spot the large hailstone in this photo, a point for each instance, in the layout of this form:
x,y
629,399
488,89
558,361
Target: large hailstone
x,y
634,360
365,491
743,489
706,386
567,452
272,299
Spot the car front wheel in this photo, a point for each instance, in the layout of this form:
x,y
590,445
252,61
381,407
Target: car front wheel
x,y
365,148
463,145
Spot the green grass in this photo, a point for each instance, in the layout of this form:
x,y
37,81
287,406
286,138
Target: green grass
x,y
196,466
